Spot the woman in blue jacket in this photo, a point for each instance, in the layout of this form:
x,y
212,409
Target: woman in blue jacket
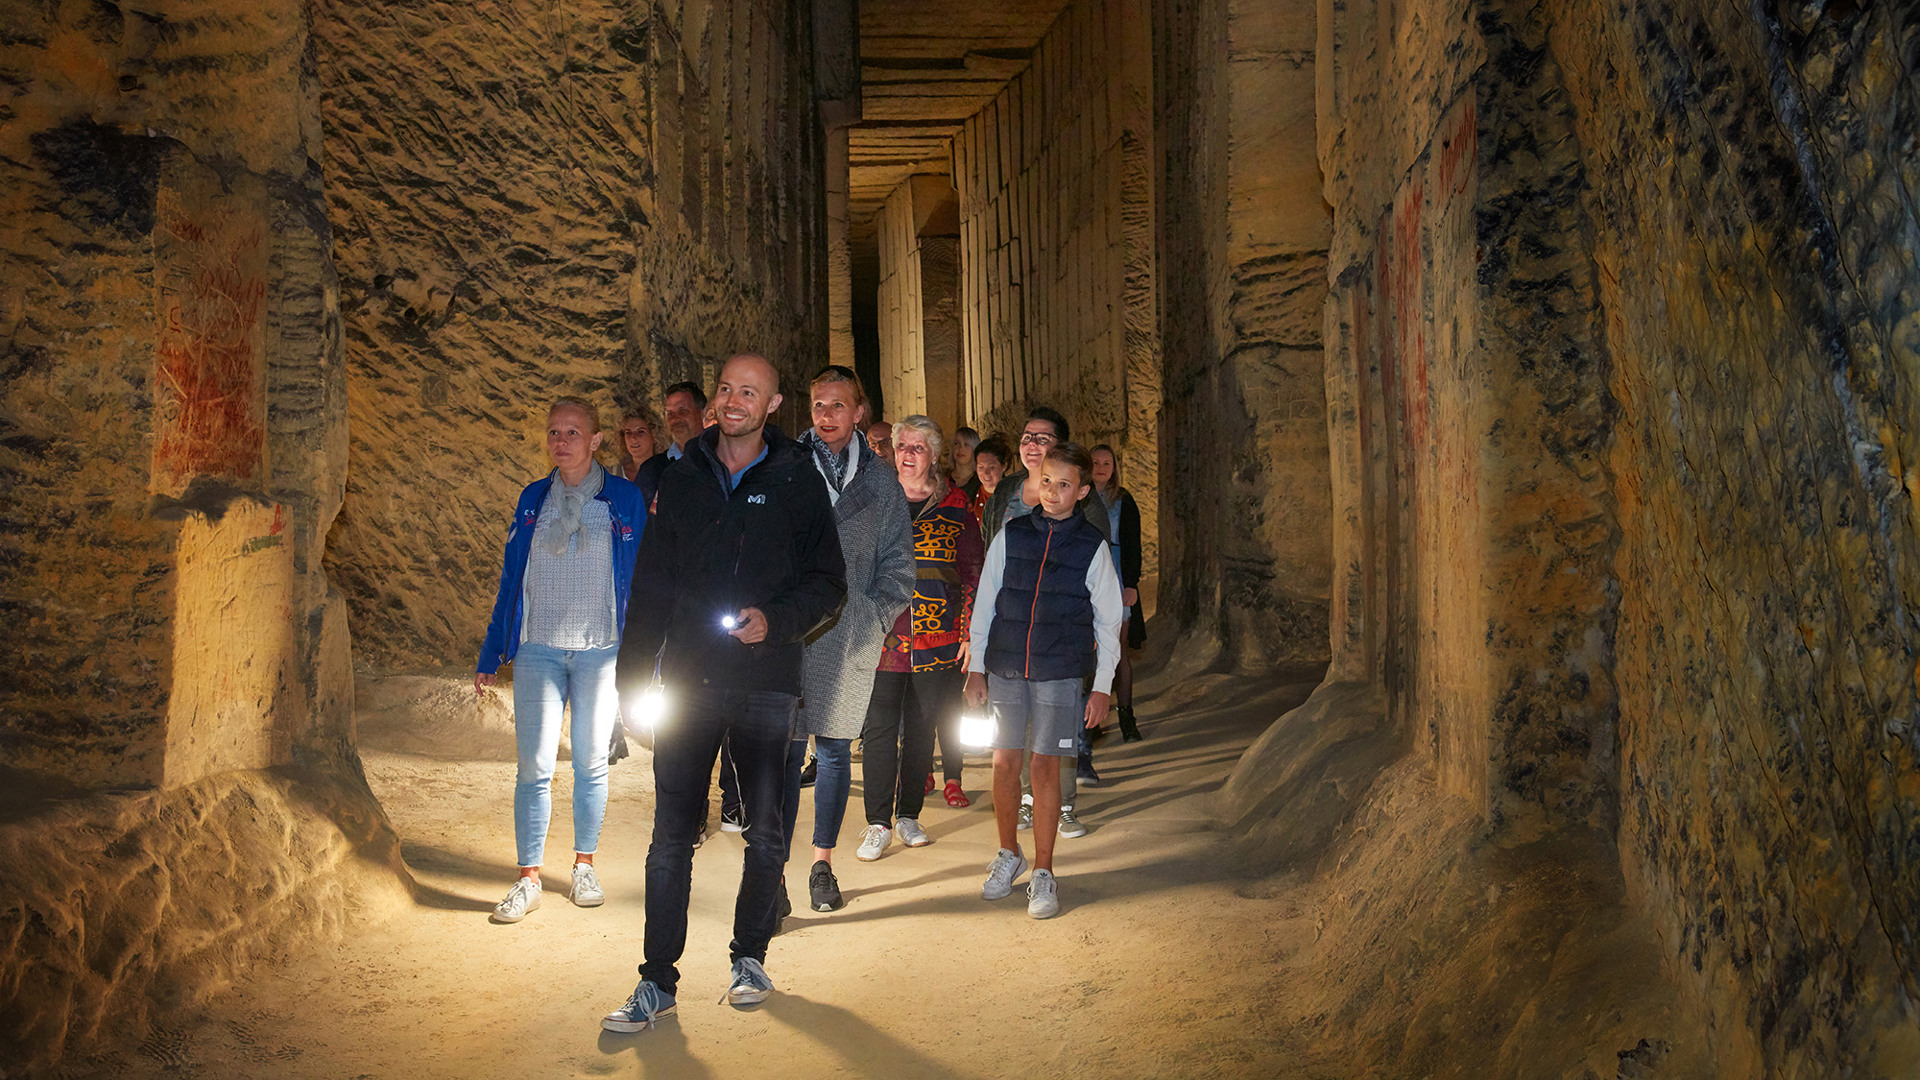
x,y
563,599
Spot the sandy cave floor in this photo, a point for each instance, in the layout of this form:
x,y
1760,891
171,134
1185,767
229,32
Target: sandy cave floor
x,y
1165,961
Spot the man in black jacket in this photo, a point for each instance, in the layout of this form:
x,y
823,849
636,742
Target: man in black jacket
x,y
740,562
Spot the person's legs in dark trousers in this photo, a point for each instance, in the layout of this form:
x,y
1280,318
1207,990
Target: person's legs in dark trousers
x,y
947,728
928,694
796,760
760,734
729,786
683,754
880,746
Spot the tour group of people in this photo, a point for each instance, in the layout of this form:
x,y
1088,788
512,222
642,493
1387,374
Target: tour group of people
x,y
865,581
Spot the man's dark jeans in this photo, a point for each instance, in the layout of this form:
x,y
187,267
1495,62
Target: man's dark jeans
x,y
758,725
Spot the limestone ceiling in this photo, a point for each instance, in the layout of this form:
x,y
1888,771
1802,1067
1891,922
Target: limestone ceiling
x,y
925,67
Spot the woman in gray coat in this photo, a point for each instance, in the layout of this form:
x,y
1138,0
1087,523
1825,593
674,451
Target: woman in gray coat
x,y
871,511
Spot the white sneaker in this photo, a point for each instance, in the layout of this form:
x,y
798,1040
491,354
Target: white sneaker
x,y
522,898
586,886
872,842
1043,895
911,834
1001,872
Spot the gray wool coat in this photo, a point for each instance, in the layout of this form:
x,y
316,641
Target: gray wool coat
x,y
877,542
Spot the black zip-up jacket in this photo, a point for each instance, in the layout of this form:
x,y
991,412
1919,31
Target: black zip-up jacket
x,y
770,543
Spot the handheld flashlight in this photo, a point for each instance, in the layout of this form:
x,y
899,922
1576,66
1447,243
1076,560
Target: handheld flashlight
x,y
728,622
645,711
980,727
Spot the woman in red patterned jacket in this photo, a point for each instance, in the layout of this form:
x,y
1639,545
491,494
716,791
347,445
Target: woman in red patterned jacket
x,y
922,665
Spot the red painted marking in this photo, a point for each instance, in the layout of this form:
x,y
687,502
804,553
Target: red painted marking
x,y
1459,142
208,374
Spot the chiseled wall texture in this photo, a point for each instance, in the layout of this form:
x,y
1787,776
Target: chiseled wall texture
x,y
181,795
1753,187
902,322
172,439
1467,364
919,302
1243,237
1057,290
595,199
1623,301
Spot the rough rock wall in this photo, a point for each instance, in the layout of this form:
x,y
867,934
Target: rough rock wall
x,y
174,417
1754,184
172,452
1242,272
835,26
940,348
531,201
901,325
919,326
120,910
1056,209
1466,383
1621,308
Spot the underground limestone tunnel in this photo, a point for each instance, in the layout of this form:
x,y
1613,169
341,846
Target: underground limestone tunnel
x,y
1513,395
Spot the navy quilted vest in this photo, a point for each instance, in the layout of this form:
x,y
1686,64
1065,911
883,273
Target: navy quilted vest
x,y
1043,617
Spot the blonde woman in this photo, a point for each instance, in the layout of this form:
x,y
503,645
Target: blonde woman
x,y
563,593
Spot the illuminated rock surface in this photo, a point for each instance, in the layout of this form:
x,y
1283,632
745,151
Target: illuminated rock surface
x,y
1539,372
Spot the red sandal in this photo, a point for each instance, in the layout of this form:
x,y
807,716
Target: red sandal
x,y
929,783
956,797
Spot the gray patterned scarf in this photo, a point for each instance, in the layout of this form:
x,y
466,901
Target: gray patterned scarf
x,y
573,500
831,465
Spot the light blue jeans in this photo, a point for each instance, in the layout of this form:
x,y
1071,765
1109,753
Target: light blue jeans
x,y
545,681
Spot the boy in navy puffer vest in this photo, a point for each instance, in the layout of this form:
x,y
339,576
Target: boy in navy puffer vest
x,y
1046,616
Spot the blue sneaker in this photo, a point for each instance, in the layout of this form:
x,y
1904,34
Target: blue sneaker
x,y
648,1004
750,984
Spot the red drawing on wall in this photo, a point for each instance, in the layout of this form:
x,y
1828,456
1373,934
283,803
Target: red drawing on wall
x,y
208,392
1459,145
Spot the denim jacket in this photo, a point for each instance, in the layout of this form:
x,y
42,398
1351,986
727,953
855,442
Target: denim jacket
x,y
628,510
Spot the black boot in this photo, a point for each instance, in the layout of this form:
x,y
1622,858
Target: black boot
x,y
809,772
1129,731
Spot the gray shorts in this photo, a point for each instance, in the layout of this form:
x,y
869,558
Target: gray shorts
x,y
1043,717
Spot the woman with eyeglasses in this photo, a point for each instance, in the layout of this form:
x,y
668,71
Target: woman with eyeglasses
x,y
1019,492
